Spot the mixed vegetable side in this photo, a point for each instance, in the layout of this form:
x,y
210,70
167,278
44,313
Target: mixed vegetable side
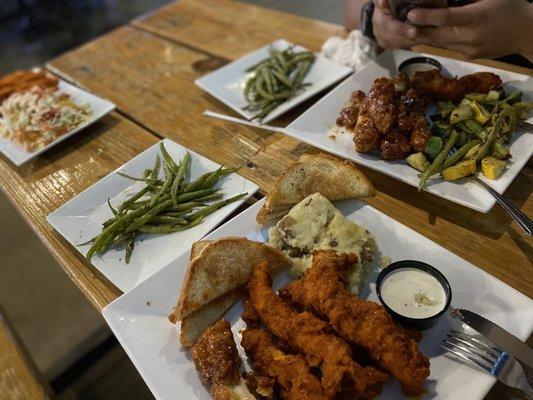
x,y
474,132
166,205
276,79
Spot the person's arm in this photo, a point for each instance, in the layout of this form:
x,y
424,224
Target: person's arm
x,y
352,13
485,28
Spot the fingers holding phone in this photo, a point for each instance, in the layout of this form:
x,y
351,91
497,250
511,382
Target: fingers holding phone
x,y
389,32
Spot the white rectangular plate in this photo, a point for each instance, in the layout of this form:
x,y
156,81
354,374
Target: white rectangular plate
x,y
227,83
313,126
139,318
81,218
99,108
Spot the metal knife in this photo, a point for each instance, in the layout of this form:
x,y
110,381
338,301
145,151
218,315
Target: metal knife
x,y
499,336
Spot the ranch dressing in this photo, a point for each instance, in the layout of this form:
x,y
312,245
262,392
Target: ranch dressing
x,y
413,293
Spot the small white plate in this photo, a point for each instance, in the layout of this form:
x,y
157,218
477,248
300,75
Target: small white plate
x,y
314,125
227,83
81,218
139,318
99,108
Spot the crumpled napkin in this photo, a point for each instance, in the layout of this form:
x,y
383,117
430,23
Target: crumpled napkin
x,y
355,51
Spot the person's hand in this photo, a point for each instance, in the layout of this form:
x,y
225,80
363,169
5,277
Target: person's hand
x,y
485,28
389,32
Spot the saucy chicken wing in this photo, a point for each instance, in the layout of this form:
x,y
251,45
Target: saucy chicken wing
x,y
438,87
217,360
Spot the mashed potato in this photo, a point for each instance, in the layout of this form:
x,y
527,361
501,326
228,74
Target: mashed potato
x,y
315,224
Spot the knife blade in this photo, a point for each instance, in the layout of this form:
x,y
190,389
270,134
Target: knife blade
x,y
499,336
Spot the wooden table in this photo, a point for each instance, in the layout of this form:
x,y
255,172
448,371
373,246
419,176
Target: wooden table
x,y
148,69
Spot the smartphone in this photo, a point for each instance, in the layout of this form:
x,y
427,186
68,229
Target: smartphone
x,y
400,8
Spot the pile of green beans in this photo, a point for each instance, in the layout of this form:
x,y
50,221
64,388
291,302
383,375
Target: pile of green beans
x,y
276,79
167,205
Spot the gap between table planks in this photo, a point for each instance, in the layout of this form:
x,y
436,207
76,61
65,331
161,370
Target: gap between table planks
x,y
159,93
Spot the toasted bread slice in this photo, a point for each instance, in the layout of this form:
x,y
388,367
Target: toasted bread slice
x,y
221,266
333,178
197,248
194,324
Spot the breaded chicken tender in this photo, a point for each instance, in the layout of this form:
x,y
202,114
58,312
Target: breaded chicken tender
x,y
364,323
311,336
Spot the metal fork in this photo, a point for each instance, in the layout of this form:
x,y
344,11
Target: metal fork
x,y
477,351
521,219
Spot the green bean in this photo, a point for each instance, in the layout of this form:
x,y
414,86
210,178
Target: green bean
x,y
197,184
169,228
473,127
460,153
184,167
131,178
300,74
437,162
267,78
149,215
493,134
129,247
267,110
172,198
210,197
215,206
185,197
166,219
133,199
282,78
113,228
168,160
115,212
301,57
187,206
165,187
212,179
157,167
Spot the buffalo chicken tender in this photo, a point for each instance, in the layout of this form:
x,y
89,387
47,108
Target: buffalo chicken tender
x,y
315,224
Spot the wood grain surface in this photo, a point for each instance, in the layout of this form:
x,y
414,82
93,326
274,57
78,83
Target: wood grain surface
x,y
41,186
19,378
229,29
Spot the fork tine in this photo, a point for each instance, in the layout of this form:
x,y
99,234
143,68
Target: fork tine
x,y
466,358
477,342
473,348
473,354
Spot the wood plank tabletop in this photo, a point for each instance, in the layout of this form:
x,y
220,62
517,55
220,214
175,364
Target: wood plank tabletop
x,y
41,186
229,29
160,94
148,69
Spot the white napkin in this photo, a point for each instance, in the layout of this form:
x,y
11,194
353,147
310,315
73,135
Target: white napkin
x,y
355,51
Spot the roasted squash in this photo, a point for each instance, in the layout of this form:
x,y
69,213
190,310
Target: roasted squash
x,y
459,170
492,168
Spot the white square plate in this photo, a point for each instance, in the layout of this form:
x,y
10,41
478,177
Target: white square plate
x,y
313,126
139,318
99,108
227,83
81,218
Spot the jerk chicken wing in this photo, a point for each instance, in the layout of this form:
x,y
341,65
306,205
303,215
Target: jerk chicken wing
x,y
364,323
311,336
217,360
433,84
